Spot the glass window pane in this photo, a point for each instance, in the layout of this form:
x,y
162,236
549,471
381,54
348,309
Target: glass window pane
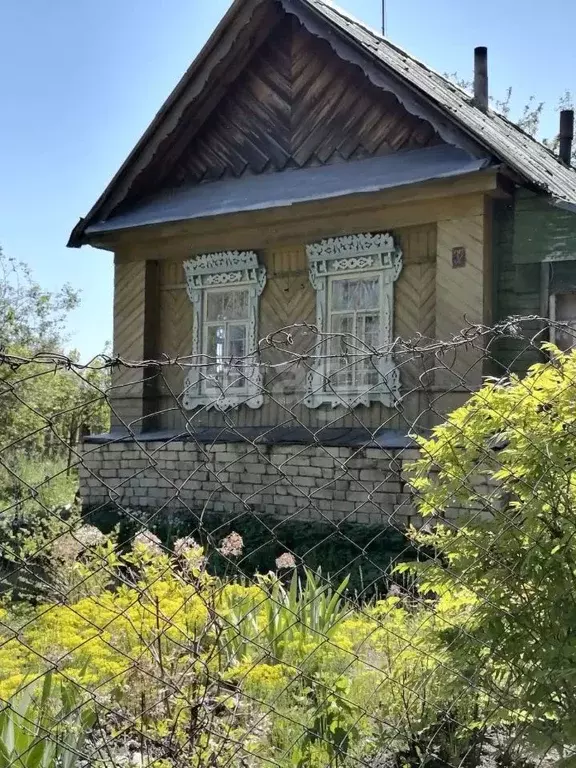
x,y
342,352
566,313
239,367
359,294
237,341
367,375
369,329
226,350
342,324
215,351
216,341
226,305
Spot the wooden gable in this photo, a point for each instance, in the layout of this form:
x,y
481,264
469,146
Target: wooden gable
x,y
295,104
272,90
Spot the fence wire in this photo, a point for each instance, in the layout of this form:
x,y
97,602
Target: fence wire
x,y
383,578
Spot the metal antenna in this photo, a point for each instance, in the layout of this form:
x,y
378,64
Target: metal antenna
x,y
383,18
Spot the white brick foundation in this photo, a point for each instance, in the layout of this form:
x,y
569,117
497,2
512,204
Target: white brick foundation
x,y
310,482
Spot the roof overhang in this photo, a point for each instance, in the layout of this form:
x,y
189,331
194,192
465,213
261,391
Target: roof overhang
x,y
279,190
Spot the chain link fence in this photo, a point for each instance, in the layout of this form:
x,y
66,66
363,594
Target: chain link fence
x,y
386,582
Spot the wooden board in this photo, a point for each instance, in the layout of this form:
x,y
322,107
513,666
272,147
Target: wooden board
x,y
462,296
305,222
175,321
296,104
126,395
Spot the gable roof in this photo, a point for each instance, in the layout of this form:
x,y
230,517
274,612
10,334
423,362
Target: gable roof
x,y
421,90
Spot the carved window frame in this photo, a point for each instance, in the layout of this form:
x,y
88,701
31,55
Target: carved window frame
x,y
354,256
211,272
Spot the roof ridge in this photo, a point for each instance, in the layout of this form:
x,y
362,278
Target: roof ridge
x,y
382,39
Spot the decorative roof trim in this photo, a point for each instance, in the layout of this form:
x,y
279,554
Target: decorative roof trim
x,y
349,50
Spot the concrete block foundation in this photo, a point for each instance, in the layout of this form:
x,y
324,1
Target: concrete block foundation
x,y
310,482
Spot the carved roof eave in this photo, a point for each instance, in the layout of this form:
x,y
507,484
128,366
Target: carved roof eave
x,y
221,51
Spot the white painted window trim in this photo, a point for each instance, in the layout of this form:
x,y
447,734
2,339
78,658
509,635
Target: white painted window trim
x,y
212,271
354,256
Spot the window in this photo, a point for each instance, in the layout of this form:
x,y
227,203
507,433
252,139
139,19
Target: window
x,y
559,298
224,289
354,282
226,320
563,310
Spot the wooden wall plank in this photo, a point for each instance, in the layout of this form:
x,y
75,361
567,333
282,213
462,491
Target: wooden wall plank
x,y
126,395
176,321
461,294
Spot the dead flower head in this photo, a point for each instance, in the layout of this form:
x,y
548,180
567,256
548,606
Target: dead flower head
x,y
286,560
148,541
184,545
68,547
90,536
232,545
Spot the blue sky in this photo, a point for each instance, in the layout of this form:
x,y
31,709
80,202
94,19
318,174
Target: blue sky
x,y
80,80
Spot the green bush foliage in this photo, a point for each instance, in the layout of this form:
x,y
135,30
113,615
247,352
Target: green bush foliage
x,y
47,731
44,405
509,457
282,669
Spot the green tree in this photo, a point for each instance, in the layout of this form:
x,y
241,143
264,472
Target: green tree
x,y
31,317
45,396
508,459
47,399
529,117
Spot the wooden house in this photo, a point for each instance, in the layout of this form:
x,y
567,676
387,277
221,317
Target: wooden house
x,y
307,173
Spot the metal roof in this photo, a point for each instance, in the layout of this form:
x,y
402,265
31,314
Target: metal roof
x,y
517,149
273,190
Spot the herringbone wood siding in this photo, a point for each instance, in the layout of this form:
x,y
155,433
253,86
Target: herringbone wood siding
x,y
415,300
296,104
461,293
288,300
175,333
129,313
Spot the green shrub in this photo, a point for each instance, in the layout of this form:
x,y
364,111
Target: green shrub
x,y
48,732
509,457
37,507
286,669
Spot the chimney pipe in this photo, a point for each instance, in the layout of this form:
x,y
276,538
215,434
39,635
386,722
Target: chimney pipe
x,y
481,78
566,135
